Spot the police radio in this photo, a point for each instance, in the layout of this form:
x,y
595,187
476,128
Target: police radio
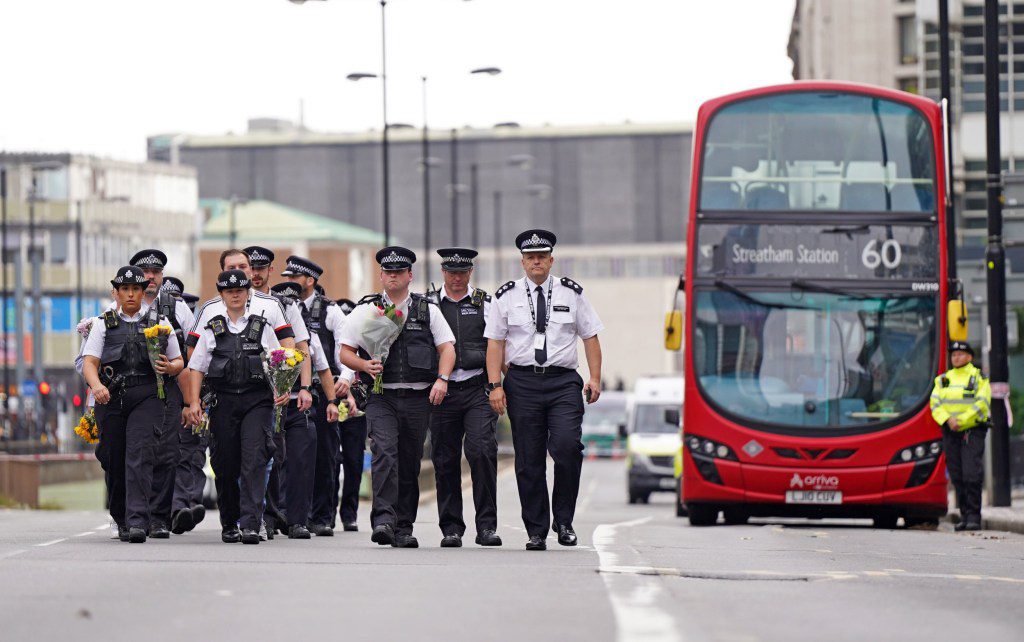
x,y
255,330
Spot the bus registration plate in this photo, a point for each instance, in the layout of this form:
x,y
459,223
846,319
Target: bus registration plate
x,y
814,497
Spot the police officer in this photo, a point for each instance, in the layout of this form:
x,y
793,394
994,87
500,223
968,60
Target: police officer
x,y
296,456
533,327
122,380
230,351
261,266
190,300
326,320
465,414
960,404
415,377
353,445
168,453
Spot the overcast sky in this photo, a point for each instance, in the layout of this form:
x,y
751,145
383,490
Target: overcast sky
x,y
98,76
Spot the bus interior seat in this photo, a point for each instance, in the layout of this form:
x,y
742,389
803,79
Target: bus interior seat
x,y
720,196
862,197
910,198
766,197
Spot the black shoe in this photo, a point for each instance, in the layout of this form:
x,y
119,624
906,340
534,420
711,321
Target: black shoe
x,y
250,536
122,533
451,541
960,526
230,536
182,522
536,543
566,535
488,538
136,535
972,526
383,535
158,530
198,513
350,527
298,531
321,530
406,541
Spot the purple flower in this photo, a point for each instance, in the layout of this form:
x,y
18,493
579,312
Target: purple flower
x,y
277,358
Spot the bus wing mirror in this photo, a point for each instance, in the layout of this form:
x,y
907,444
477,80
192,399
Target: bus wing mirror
x,y
956,319
672,416
622,431
674,330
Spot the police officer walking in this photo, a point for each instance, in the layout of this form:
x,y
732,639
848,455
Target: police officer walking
x,y
295,459
122,379
325,319
168,451
533,327
229,352
465,414
960,404
415,377
353,446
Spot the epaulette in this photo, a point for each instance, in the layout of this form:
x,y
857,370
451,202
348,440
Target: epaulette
x,y
569,283
503,289
370,298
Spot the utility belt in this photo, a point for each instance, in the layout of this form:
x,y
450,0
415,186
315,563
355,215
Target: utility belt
x,y
543,370
406,392
117,383
473,382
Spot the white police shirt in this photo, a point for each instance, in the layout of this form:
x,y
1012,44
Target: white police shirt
x,y
203,352
258,303
352,331
458,374
98,335
182,314
569,317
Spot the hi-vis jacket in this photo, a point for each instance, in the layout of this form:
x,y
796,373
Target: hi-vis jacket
x,y
962,393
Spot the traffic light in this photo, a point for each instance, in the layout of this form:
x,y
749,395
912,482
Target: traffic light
x,y
44,388
76,401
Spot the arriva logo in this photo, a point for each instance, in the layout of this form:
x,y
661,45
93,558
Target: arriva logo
x,y
814,481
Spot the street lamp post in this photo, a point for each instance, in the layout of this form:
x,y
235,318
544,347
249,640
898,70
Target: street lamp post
x,y
520,161
538,191
426,193
3,267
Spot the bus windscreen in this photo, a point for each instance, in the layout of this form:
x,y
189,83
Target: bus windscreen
x,y
818,151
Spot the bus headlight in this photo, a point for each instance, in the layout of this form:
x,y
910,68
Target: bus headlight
x,y
707,448
917,452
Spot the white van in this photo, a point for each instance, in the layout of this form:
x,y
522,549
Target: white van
x,y
654,436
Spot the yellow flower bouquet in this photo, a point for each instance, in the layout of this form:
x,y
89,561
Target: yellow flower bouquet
x,y
282,367
87,428
153,336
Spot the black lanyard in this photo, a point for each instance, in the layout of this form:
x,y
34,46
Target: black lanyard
x,y
529,297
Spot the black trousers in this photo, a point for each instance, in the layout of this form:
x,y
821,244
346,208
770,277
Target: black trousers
x,y
299,463
189,478
274,505
465,417
398,421
965,460
129,425
546,413
242,444
353,445
325,475
166,455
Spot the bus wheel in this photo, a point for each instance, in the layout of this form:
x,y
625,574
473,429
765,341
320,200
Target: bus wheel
x,y
735,516
639,497
702,514
887,522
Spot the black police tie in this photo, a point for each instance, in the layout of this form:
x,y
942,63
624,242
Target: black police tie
x,y
541,354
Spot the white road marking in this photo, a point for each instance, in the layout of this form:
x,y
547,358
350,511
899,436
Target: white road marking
x,y
11,553
85,534
102,527
223,593
634,598
52,542
587,494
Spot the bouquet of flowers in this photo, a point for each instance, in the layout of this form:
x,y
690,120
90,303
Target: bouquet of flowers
x,y
87,428
282,369
153,334
379,333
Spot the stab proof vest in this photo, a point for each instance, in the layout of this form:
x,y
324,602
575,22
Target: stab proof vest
x,y
236,365
315,318
124,348
413,356
466,319
166,304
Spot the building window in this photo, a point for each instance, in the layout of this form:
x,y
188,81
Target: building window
x,y
908,85
907,29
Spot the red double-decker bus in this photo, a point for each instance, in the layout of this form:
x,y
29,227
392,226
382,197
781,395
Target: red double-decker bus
x,y
815,289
